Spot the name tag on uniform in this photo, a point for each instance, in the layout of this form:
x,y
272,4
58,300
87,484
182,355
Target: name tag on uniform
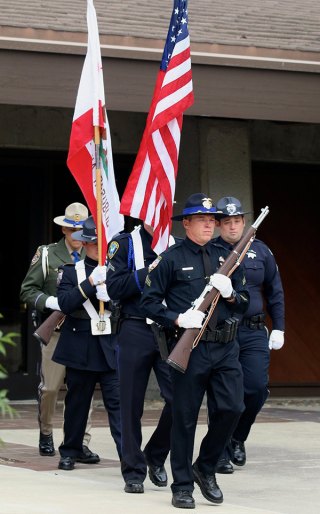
x,y
187,269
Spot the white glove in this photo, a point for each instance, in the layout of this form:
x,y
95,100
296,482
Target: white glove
x,y
52,303
222,283
192,318
276,340
99,275
102,293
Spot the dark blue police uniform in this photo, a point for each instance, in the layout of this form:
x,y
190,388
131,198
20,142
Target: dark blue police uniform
x,y
214,368
138,355
265,287
89,359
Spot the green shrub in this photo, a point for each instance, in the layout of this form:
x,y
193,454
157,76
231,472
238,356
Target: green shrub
x,y
6,339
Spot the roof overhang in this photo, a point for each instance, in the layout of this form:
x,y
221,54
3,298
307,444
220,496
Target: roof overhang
x,y
237,82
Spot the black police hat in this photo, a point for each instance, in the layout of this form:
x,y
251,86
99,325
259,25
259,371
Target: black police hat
x,y
229,206
88,233
197,203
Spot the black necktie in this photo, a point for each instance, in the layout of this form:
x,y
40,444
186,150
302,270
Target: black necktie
x,y
206,263
76,256
208,272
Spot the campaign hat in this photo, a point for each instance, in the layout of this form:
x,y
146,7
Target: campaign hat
x,y
229,206
198,203
88,232
74,216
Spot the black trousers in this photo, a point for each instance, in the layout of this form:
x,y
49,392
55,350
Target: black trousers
x,y
213,369
80,389
255,359
138,355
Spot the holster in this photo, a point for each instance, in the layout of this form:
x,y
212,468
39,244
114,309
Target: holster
x,y
36,321
161,339
115,309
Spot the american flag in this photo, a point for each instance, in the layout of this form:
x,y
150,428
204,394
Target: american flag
x,y
150,190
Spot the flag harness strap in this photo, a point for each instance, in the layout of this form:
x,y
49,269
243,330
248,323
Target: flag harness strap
x,y
137,248
81,276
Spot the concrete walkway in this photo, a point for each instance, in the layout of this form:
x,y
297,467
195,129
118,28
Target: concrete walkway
x,y
282,474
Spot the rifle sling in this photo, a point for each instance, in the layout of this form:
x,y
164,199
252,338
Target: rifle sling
x,y
208,271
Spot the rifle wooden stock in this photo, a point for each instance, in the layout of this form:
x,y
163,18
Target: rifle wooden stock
x,y
180,355
44,332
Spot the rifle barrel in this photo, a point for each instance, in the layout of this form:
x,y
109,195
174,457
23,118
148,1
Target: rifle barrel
x,y
261,217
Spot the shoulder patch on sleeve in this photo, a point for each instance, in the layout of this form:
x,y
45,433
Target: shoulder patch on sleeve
x,y
113,248
36,256
154,264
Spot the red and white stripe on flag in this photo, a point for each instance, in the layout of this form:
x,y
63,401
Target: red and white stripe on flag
x,y
90,112
150,190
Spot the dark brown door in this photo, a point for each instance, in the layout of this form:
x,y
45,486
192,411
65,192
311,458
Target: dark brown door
x,y
292,231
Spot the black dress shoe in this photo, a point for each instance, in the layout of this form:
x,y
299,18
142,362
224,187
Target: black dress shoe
x,y
157,474
66,463
224,467
136,487
87,456
46,447
183,500
208,485
238,452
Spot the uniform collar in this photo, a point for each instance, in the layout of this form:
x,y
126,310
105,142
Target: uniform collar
x,y
70,249
90,262
218,240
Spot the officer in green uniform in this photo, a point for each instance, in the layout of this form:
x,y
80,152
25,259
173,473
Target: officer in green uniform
x,y
38,291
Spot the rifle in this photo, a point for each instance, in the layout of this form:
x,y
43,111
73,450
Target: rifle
x,y
44,332
179,357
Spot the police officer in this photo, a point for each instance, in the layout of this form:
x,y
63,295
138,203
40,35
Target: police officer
x,y
87,352
39,290
179,278
264,285
129,256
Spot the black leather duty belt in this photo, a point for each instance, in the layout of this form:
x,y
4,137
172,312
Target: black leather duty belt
x,y
80,315
225,334
255,322
216,336
128,316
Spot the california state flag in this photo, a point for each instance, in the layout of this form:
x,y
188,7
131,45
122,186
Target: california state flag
x,y
90,112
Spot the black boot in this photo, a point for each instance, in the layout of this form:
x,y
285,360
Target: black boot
x,y
208,485
238,452
46,447
183,500
224,466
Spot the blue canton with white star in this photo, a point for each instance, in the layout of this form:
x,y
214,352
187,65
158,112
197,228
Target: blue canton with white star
x,y
178,30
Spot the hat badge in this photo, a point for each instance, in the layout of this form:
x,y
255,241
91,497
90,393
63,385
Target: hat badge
x,y
76,217
207,203
231,208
